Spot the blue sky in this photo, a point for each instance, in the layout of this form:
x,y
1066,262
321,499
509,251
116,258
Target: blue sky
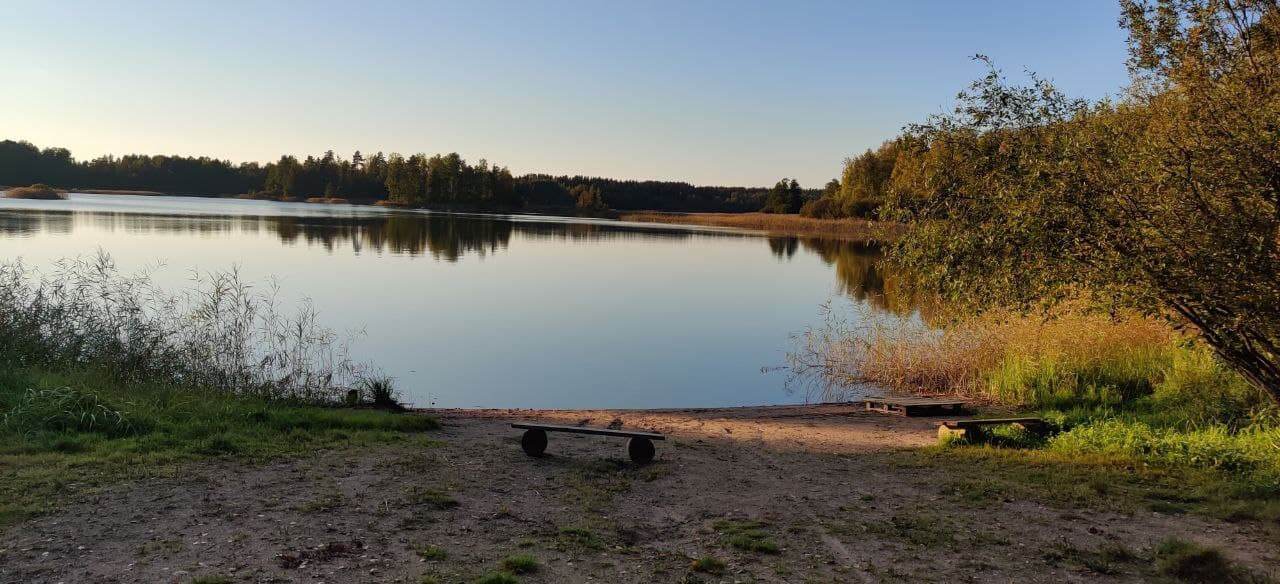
x,y
731,92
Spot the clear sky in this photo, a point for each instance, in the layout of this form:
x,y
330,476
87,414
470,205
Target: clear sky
x,y
733,92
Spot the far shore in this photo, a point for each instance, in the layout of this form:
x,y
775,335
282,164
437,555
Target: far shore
x,y
777,225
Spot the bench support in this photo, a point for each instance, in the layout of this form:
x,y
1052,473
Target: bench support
x,y
640,450
639,444
534,442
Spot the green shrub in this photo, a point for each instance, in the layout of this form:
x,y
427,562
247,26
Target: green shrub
x,y
709,565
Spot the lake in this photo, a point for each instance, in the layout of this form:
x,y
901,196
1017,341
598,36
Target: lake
x,y
496,310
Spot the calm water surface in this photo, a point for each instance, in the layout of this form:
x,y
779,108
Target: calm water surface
x,y
494,311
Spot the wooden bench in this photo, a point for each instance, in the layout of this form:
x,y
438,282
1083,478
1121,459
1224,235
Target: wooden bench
x,y
959,428
912,406
639,444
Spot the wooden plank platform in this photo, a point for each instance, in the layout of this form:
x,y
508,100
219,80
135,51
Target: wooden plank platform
x,y
992,422
588,430
960,428
912,406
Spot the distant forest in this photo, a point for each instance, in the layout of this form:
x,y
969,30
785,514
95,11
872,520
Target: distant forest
x,y
441,182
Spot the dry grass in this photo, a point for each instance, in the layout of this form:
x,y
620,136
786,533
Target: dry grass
x,y
774,224
1001,357
36,191
328,200
120,192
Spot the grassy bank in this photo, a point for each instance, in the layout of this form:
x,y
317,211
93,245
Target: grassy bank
x,y
67,431
104,377
1124,389
775,224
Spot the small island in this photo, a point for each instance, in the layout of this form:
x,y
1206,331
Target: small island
x,y
39,191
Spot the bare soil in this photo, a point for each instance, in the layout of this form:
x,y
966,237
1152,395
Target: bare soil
x,y
781,494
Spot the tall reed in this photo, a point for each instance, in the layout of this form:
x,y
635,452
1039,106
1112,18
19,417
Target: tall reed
x,y
221,333
999,356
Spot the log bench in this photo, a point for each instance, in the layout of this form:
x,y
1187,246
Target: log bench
x,y
639,444
959,428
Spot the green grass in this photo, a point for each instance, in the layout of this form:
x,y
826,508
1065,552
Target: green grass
x,y
709,565
68,431
747,535
1172,406
521,564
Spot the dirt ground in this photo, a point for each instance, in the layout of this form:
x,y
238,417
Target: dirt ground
x,y
780,494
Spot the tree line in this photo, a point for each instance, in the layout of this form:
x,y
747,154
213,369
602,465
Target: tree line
x,y
444,181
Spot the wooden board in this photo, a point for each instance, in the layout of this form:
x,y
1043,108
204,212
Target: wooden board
x,y
992,422
586,430
908,406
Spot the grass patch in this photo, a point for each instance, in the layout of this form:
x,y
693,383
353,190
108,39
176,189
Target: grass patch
x,y
323,503
521,564
920,527
580,537
747,535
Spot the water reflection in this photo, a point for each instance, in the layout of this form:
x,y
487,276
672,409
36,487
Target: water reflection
x,y
444,237
563,312
859,268
861,273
